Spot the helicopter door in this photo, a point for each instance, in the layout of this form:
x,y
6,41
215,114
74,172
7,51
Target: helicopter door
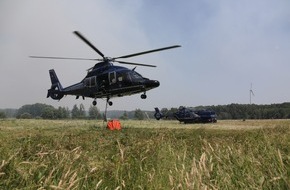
x,y
112,78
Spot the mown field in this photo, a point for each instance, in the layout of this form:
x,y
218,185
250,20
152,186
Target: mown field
x,y
79,154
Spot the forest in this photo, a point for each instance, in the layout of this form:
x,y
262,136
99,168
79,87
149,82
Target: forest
x,y
244,111
252,111
230,111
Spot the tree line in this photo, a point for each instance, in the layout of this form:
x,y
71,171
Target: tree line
x,y
44,111
244,111
253,111
231,111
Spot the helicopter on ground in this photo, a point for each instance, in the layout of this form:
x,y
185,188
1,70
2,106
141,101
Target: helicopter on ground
x,y
189,115
105,80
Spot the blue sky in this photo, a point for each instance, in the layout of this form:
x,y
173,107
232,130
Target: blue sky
x,y
226,46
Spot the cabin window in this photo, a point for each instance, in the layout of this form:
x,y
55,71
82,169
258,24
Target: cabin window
x,y
112,77
91,81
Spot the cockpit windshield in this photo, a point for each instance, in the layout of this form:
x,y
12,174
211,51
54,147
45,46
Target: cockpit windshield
x,y
136,75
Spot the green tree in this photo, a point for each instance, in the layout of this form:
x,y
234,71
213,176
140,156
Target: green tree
x,y
139,114
164,111
35,110
78,112
48,113
94,113
75,112
124,116
62,113
82,110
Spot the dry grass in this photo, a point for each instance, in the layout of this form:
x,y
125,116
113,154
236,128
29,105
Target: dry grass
x,y
220,125
79,154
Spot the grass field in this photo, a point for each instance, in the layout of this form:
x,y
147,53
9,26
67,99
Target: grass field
x,y
80,154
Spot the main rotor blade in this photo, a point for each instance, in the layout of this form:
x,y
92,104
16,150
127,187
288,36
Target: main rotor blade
x,y
71,58
139,64
88,43
145,52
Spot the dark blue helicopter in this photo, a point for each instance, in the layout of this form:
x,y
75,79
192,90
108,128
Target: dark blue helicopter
x,y
105,80
188,115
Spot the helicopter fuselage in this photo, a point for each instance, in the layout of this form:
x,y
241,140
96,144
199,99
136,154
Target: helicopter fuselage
x,y
105,80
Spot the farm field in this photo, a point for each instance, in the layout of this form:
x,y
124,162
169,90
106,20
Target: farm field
x,y
83,154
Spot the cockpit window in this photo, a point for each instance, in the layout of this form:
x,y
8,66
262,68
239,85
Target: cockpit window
x,y
136,75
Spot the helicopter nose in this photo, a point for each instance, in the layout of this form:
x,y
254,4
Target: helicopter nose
x,y
152,83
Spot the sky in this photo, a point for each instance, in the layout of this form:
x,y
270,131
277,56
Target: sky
x,y
226,46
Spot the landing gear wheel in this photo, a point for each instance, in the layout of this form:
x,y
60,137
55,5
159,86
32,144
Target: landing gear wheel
x,y
109,102
143,96
94,102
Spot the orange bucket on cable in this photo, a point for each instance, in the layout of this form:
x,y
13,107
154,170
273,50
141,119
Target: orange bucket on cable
x,y
114,125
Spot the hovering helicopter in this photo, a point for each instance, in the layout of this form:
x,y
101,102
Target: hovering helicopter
x,y
105,80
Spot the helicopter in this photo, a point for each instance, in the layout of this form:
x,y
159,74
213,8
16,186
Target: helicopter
x,y
105,80
188,115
